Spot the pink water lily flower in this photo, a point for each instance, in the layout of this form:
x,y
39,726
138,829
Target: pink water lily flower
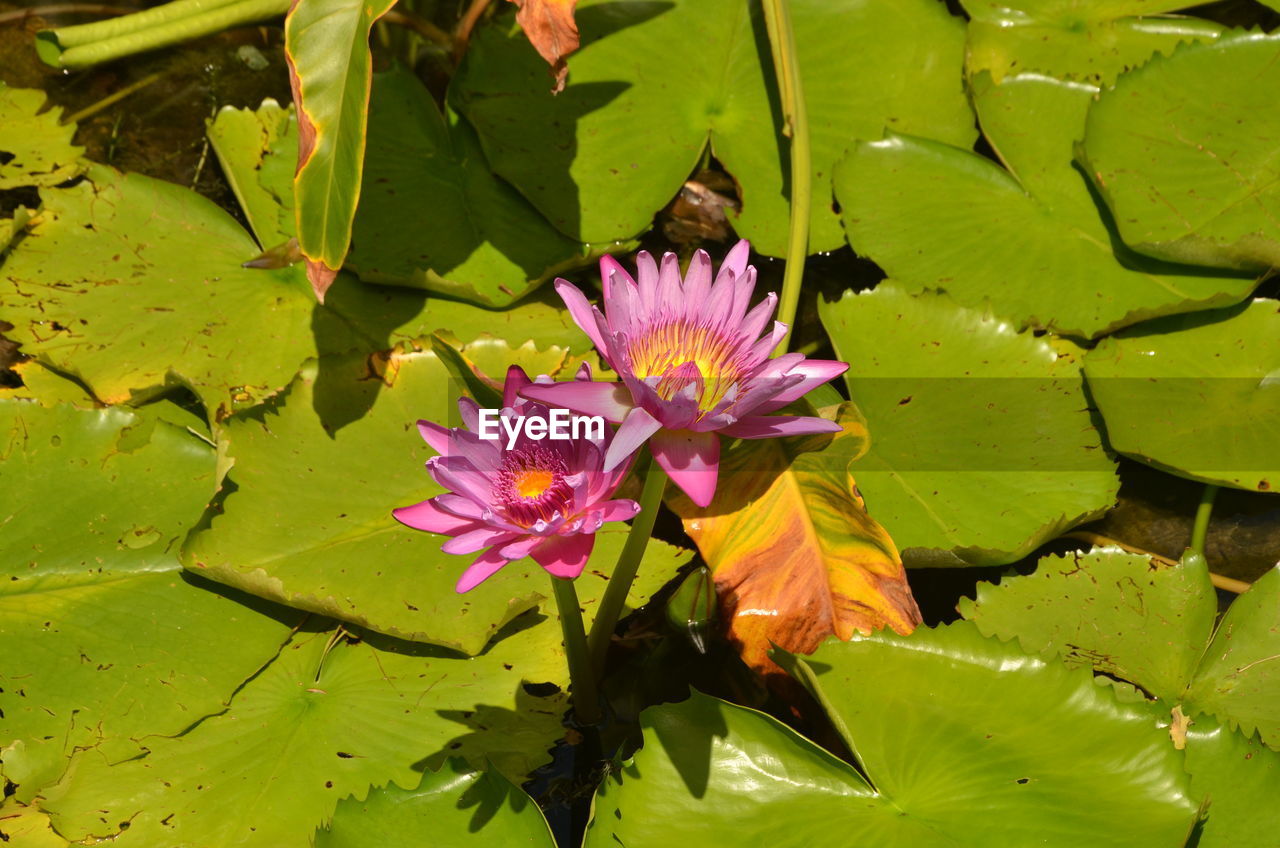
x,y
542,498
693,362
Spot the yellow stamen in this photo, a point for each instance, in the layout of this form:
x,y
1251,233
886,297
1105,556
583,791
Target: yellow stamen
x,y
533,482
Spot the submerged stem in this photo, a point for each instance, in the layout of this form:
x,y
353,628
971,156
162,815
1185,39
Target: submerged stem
x,y
586,701
795,124
624,574
1200,530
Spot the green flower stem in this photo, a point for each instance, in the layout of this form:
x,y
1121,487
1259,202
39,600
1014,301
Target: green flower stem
x,y
1200,531
102,41
795,125
624,574
586,701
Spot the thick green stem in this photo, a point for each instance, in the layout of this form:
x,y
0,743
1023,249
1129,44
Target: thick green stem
x,y
586,701
624,573
795,124
1200,531
181,20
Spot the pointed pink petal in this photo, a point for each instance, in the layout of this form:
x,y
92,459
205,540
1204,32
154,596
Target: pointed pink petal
x,y
814,372
647,282
692,460
621,300
584,314
743,287
670,289
610,266
460,505
634,432
763,348
753,325
481,570
429,516
697,283
768,426
564,556
516,380
520,548
612,401
435,435
458,475
735,261
473,540
622,509
469,411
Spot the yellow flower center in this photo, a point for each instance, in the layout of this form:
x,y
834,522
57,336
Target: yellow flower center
x,y
532,482
665,349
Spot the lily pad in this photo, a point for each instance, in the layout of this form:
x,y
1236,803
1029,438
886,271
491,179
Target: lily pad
x,y
1092,41
35,146
1184,151
478,239
1151,625
344,716
258,151
106,641
452,808
317,473
1240,777
652,83
1031,241
1196,395
981,443
942,770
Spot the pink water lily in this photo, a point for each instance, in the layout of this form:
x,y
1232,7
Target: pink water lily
x,y
693,362
538,498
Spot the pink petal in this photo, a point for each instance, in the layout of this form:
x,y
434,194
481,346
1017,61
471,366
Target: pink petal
x,y
697,283
429,516
481,570
520,548
735,261
612,401
670,289
743,287
647,282
753,325
460,505
692,460
459,475
622,509
768,426
584,314
473,540
763,348
634,432
516,380
564,556
436,436
469,411
814,373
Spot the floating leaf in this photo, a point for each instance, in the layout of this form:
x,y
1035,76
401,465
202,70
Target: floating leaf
x,y
258,151
309,524
35,146
1240,778
795,556
941,770
1150,625
327,45
342,716
450,808
106,642
479,239
1196,395
653,83
27,827
1183,150
937,217
1091,41
981,442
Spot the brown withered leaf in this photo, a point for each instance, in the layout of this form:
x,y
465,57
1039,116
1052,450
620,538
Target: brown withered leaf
x,y
551,29
795,556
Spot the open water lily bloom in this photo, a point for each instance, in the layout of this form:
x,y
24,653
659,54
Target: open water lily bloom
x,y
541,498
694,363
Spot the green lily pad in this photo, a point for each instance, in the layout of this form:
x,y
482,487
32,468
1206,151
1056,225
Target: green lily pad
x,y
258,151
35,146
1241,779
1196,395
1091,41
479,240
106,641
981,442
1151,625
309,524
1061,762
652,83
1183,149
325,720
1031,240
452,808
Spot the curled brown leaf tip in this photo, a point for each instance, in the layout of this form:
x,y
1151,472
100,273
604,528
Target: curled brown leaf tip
x,y
551,29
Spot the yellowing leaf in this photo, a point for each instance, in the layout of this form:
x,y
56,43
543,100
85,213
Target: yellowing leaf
x,y
552,31
795,556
